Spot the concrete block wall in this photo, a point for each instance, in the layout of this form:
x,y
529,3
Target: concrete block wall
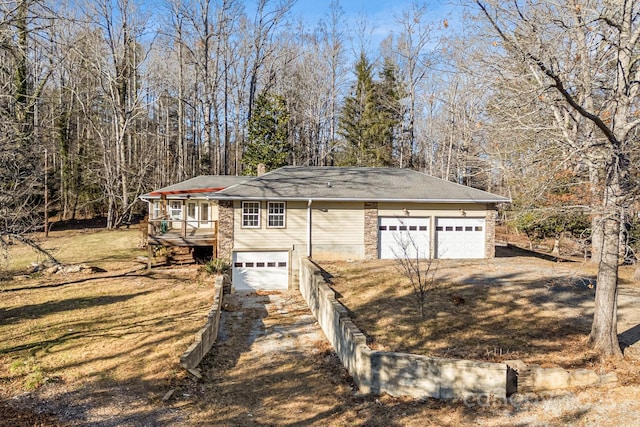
x,y
205,337
398,374
534,379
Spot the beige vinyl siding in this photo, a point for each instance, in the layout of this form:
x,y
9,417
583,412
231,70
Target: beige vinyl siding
x,y
432,209
213,206
295,232
337,223
338,230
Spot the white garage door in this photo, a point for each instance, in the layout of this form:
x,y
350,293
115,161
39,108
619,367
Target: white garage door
x,y
397,235
260,271
460,238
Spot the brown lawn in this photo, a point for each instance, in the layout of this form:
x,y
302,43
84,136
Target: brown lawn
x,y
513,307
103,348
93,336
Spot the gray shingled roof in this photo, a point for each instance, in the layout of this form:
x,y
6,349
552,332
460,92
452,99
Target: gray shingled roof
x,y
198,185
352,183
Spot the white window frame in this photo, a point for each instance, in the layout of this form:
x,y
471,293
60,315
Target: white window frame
x,y
251,214
204,212
277,215
175,210
156,210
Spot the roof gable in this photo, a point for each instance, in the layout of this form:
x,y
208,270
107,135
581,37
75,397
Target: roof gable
x,y
203,185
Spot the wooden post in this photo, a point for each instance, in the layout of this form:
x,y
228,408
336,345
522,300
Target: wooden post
x,y
184,220
149,256
215,239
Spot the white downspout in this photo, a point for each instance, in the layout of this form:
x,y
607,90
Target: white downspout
x,y
309,228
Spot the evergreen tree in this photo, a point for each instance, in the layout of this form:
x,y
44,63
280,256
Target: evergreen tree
x,y
268,135
390,112
371,116
358,116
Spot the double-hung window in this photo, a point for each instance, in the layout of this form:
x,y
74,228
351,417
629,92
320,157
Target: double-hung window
x,y
251,214
156,213
175,209
276,214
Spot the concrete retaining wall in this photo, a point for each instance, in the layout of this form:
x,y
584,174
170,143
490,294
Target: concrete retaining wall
x,y
206,336
398,374
534,379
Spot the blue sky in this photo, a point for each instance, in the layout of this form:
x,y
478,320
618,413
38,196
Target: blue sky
x,y
381,14
379,11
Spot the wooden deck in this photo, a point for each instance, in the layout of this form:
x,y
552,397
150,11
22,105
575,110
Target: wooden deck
x,y
165,233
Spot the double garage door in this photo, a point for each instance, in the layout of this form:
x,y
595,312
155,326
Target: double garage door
x,y
460,238
252,271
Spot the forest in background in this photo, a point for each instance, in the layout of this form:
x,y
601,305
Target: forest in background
x,y
122,100
103,100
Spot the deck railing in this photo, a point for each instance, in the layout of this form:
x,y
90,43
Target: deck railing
x,y
185,228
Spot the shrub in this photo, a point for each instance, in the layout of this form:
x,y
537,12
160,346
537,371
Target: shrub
x,y
217,266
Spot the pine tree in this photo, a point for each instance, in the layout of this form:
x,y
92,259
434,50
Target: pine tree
x,y
388,94
268,135
358,117
371,116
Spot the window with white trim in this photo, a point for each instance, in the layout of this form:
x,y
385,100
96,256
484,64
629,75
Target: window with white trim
x,y
156,212
251,214
276,214
175,209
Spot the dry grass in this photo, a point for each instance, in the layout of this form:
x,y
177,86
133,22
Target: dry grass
x,y
112,250
103,349
508,308
82,333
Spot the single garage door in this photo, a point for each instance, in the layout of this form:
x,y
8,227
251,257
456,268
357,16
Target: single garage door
x,y
397,235
460,238
253,271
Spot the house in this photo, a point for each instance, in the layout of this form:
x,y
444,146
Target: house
x,y
182,214
264,224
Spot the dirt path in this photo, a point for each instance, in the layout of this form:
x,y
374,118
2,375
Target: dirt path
x,y
271,366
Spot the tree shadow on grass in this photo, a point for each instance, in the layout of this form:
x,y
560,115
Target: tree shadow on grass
x,y
32,311
103,398
481,311
511,251
629,337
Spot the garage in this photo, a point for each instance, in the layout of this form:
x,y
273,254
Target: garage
x,y
460,238
397,234
267,271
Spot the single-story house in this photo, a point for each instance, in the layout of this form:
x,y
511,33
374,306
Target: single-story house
x,y
183,214
264,224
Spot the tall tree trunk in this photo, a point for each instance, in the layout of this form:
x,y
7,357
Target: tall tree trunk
x,y
604,332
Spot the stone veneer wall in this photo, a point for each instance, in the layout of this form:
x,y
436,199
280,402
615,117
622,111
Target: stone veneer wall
x,y
371,230
225,229
398,374
490,232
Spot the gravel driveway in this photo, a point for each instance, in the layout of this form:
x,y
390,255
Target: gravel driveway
x,y
271,365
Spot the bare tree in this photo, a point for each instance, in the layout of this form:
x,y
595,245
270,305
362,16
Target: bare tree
x,y
417,266
550,39
413,53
